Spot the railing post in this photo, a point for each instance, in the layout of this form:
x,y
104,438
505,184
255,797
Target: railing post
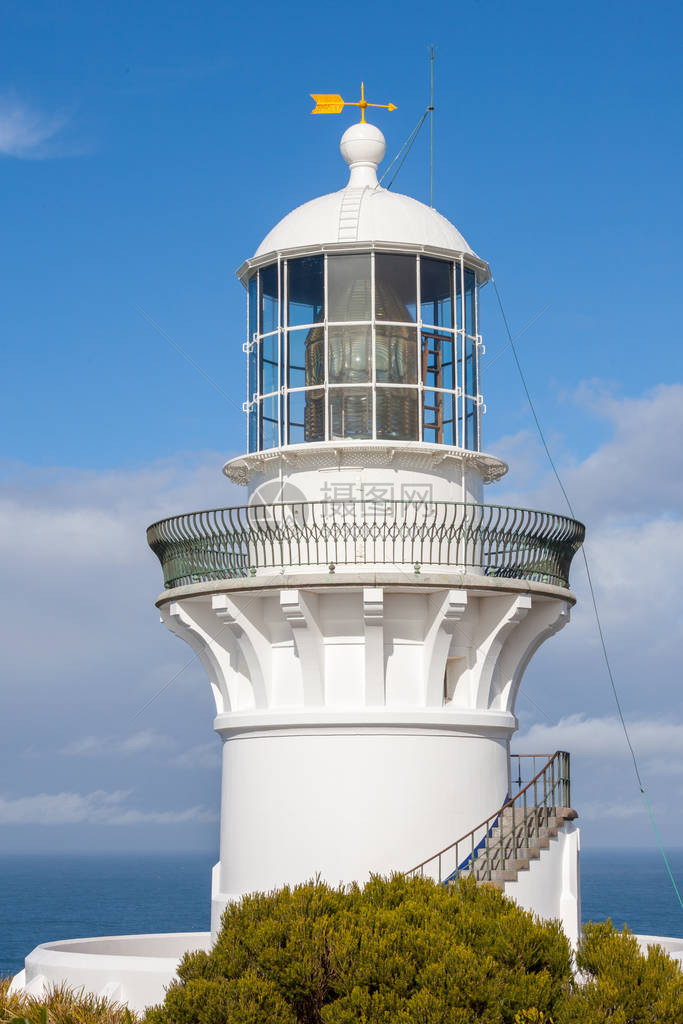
x,y
535,807
552,782
514,832
569,780
501,858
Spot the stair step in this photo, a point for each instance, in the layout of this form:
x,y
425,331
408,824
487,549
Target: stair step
x,y
507,875
520,864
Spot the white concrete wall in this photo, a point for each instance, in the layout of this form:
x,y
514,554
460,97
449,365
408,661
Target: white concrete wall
x,y
350,645
403,475
365,727
131,969
670,945
350,798
551,886
401,469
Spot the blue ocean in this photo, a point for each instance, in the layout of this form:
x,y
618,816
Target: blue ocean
x,y
67,896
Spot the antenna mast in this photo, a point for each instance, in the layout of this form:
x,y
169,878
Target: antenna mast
x,y
431,126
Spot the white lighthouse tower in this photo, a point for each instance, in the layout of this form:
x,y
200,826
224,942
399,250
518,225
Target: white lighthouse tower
x,y
364,617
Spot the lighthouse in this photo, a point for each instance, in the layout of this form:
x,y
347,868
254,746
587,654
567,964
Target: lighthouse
x,y
366,615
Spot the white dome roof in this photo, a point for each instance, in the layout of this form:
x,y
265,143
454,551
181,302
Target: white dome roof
x,y
363,211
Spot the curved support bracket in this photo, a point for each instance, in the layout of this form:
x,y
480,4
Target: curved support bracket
x,y
501,616
210,654
445,612
300,611
547,618
249,635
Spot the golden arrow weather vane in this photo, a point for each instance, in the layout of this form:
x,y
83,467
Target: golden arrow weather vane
x,y
332,103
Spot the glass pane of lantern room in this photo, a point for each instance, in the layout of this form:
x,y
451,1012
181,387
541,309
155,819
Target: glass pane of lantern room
x,y
348,288
350,412
397,414
296,412
306,416
471,425
306,357
396,354
436,292
438,359
253,307
269,422
269,364
395,287
269,303
253,427
470,313
296,359
349,353
438,417
306,290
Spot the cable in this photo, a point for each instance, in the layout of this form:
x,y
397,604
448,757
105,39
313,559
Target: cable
x,y
592,593
407,145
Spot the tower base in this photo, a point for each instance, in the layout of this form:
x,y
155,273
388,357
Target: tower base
x,y
131,969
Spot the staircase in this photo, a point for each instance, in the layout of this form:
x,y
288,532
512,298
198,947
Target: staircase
x,y
498,849
512,844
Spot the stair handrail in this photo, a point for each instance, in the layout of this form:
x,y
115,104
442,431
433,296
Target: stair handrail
x,y
561,783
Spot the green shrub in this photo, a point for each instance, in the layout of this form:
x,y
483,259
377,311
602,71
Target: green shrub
x,y
622,985
60,1005
396,952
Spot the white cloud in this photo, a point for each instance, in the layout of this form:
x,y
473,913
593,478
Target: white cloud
x,y
612,811
602,739
137,743
25,132
637,474
82,579
605,789
204,755
97,808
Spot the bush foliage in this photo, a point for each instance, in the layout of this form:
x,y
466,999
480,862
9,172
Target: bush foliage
x,y
407,951
398,951
60,1006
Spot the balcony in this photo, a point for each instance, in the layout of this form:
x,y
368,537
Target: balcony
x,y
409,536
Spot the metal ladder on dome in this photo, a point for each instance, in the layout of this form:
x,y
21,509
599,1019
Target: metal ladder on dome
x,y
349,214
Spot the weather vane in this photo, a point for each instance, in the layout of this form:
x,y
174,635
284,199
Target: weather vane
x,y
333,103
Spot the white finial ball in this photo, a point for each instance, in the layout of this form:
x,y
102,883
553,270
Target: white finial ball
x,y
362,143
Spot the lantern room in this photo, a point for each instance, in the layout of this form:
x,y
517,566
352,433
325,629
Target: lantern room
x,y
363,320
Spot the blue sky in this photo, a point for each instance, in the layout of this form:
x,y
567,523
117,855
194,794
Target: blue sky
x,y
145,150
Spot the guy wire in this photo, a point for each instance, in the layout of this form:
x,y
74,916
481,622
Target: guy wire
x,y
598,621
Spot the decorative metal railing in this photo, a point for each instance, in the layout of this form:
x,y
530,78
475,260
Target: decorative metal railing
x,y
228,543
508,834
